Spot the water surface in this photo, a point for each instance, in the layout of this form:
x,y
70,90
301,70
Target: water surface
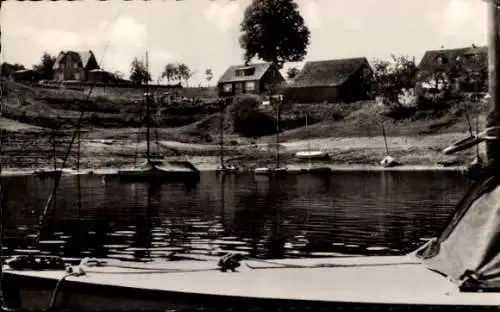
x,y
298,216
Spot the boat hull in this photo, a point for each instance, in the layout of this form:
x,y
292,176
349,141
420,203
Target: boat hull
x,y
271,171
43,174
27,294
158,174
335,284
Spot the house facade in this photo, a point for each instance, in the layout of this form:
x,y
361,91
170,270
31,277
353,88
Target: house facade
x,y
253,79
455,68
71,65
340,80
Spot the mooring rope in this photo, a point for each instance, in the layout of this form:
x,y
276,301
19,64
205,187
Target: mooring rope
x,y
275,265
55,292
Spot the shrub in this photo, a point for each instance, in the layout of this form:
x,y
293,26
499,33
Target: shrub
x,y
248,120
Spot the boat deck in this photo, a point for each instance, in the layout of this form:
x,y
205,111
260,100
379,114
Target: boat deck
x,y
374,280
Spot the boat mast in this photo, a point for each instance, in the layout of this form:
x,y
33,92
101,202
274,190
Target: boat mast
x,y
54,160
148,112
493,119
308,140
221,107
278,107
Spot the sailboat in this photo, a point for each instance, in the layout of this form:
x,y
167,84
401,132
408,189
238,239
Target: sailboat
x,y
223,168
388,160
310,155
278,170
155,168
50,173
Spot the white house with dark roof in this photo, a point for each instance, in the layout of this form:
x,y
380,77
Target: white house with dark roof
x,y
252,78
71,65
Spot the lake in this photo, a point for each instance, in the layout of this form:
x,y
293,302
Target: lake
x,y
362,213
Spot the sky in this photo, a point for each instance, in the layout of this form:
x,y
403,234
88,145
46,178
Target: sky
x,y
204,33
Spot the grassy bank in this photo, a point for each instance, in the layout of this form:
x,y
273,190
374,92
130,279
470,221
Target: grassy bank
x,y
350,133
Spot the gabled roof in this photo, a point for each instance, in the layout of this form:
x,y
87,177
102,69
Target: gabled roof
x,y
327,73
430,62
230,73
84,57
451,57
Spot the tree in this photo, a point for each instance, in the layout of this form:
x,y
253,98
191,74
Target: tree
x,y
170,72
292,72
44,68
119,75
208,75
274,31
138,72
6,69
184,72
390,77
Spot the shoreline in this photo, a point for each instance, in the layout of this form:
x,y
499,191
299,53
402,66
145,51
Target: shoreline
x,y
212,168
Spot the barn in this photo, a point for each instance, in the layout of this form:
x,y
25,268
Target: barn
x,y
340,80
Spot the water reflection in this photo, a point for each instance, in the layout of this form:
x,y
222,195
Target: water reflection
x,y
296,216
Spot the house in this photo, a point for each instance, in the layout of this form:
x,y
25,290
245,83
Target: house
x,y
256,78
25,75
439,68
339,80
100,75
71,65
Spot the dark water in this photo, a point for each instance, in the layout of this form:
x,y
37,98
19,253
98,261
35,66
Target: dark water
x,y
297,216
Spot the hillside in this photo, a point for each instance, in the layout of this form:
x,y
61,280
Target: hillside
x,y
113,137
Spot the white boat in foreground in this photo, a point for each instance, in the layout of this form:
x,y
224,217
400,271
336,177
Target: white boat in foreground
x,y
387,283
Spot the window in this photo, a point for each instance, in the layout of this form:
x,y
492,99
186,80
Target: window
x,y
228,87
246,71
441,59
77,76
250,86
75,65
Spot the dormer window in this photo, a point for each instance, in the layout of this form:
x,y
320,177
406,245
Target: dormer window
x,y
246,71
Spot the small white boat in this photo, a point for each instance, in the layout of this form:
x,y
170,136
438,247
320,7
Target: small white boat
x,y
271,171
311,155
227,169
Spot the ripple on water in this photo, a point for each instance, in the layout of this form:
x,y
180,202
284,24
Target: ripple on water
x,y
368,213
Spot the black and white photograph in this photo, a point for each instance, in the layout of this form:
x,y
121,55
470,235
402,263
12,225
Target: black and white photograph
x,y
250,155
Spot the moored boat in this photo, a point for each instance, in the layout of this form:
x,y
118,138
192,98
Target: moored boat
x,y
224,168
164,172
311,155
155,168
48,173
271,171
